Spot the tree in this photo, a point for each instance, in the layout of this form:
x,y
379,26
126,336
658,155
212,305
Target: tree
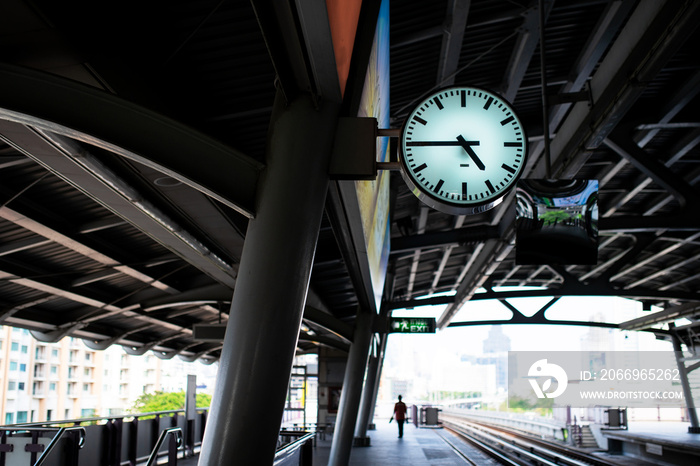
x,y
162,401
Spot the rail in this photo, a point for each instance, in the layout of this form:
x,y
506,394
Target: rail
x,y
519,447
298,452
172,448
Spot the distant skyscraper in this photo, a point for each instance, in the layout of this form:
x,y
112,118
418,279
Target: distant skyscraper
x,y
497,341
496,347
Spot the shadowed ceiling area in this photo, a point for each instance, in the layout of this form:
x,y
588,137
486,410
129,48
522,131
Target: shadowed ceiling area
x,y
132,138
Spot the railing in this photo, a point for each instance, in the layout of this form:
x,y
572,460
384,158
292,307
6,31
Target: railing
x,y
57,438
109,441
297,452
175,434
12,438
130,439
547,427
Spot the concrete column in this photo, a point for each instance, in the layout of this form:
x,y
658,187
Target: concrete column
x,y
687,391
352,391
267,306
369,394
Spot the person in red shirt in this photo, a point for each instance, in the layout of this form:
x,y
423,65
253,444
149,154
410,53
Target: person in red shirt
x,y
400,415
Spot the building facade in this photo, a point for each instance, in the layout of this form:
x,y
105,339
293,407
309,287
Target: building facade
x,y
67,380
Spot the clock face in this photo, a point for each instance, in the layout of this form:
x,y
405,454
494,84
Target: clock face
x,y
462,149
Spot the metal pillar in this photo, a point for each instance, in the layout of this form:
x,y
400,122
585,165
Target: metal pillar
x,y
687,391
273,279
369,394
352,391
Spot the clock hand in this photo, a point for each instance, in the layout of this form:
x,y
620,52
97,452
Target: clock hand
x,y
467,145
433,143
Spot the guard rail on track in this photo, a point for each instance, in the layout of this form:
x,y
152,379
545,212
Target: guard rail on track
x,y
548,428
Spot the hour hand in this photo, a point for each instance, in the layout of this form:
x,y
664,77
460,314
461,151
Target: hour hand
x,y
467,146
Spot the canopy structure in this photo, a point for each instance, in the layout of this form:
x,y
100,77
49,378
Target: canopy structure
x,y
133,138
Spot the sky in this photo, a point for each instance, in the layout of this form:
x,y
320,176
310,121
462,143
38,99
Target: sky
x,y
529,337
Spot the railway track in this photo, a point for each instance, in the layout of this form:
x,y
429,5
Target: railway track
x,y
507,447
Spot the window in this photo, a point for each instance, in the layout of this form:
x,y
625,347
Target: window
x,y
12,385
9,418
20,385
52,386
23,367
54,370
54,353
21,416
49,412
87,412
14,346
87,372
13,365
86,387
88,357
25,349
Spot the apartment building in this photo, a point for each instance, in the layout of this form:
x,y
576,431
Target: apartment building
x,y
67,380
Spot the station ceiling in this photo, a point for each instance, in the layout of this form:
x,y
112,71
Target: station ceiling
x,y
132,135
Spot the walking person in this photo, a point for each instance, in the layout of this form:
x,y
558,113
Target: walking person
x,y
400,415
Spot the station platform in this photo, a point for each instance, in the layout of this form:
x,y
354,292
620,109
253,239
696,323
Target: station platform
x,y
418,447
656,442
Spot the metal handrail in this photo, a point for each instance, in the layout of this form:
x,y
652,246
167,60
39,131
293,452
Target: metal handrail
x,y
54,441
177,431
295,444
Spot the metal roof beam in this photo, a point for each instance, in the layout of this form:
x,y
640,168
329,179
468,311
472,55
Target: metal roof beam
x,y
66,107
680,149
649,39
22,245
524,49
452,36
41,229
661,317
71,162
472,276
655,170
298,39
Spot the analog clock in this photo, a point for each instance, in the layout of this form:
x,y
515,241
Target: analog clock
x,y
462,149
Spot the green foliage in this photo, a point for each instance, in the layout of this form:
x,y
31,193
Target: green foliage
x,y
446,395
543,406
162,401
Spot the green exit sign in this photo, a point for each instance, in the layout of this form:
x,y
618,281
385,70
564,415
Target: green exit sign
x,y
412,325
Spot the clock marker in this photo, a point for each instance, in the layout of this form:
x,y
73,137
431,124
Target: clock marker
x,y
464,98
508,168
488,103
507,120
438,103
512,144
420,167
464,191
439,185
420,120
490,186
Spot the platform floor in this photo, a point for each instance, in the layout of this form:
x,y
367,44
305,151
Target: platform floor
x,y
663,432
418,447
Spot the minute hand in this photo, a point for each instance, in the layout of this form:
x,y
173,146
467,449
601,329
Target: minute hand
x,y
433,143
467,146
